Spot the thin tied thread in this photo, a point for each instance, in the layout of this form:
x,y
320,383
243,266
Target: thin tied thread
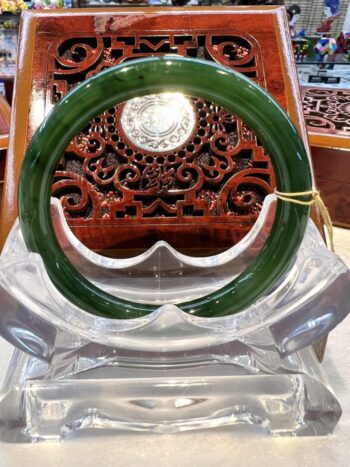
x,y
315,199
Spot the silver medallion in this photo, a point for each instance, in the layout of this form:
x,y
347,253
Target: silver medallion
x,y
158,122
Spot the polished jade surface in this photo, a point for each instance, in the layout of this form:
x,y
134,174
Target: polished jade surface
x,y
196,78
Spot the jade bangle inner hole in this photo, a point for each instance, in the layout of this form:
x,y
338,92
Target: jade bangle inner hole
x,y
132,147
162,275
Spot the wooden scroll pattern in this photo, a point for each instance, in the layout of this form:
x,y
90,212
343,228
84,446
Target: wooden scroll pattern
x,y
220,174
327,110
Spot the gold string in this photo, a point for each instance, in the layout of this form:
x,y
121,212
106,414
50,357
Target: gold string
x,y
315,199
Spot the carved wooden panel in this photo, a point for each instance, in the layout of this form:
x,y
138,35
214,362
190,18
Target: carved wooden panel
x,y
327,115
327,110
121,190
107,176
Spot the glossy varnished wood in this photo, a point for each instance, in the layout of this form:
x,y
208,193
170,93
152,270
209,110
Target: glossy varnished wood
x,y
5,115
327,113
43,77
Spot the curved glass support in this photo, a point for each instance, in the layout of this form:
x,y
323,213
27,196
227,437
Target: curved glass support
x,y
310,299
162,275
197,78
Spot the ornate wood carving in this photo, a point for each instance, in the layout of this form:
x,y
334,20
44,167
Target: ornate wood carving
x,y
327,115
107,176
116,194
327,110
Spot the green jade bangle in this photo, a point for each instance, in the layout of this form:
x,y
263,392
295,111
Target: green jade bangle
x,y
196,78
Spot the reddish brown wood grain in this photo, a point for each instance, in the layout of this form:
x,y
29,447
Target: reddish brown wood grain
x,y
5,116
327,113
231,173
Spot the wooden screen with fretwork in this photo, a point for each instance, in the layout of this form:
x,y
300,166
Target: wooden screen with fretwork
x,y
118,192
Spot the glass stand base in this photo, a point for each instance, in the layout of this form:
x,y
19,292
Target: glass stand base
x,y
75,373
274,396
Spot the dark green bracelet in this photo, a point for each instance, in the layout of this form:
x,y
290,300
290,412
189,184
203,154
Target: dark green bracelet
x,y
196,78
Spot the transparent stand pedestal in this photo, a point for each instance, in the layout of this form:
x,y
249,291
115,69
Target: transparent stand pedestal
x,y
74,372
238,386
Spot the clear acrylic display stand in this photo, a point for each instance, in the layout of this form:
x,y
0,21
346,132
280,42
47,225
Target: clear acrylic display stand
x,y
169,371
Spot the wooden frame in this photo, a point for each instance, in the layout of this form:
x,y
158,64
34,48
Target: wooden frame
x,y
41,30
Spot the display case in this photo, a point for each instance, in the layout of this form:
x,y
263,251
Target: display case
x,y
324,74
8,53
